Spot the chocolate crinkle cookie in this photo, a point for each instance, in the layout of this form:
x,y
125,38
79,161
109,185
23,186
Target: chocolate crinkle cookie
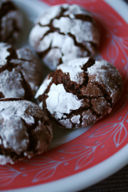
x,y
64,32
24,131
20,72
11,21
80,92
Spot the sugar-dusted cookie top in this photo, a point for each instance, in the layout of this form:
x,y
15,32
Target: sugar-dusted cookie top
x,y
80,92
21,72
25,131
64,32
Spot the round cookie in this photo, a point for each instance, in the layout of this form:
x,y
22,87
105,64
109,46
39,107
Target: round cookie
x,y
25,131
64,32
80,92
10,21
21,72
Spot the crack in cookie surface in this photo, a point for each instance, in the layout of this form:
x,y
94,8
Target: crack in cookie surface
x,y
80,92
25,130
21,72
68,27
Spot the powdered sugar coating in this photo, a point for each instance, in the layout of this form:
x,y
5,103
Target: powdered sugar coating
x,y
68,25
36,33
65,32
98,69
7,85
30,66
43,87
16,109
23,132
66,123
75,10
76,119
5,160
21,72
46,17
4,53
81,92
74,69
103,73
55,101
62,47
12,132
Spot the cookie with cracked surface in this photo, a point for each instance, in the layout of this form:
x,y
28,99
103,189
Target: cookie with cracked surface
x,y
10,21
25,131
64,32
20,72
80,92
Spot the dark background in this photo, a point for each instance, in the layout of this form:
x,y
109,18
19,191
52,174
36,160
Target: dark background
x,y
116,183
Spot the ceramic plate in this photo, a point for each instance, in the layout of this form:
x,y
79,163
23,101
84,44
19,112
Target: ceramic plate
x,y
80,158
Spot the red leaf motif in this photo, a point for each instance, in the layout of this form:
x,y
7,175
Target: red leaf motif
x,y
120,136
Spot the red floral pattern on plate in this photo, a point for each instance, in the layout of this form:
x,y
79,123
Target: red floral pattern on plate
x,y
101,141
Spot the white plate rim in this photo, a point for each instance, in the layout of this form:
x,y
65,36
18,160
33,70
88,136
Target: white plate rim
x,y
85,178
100,171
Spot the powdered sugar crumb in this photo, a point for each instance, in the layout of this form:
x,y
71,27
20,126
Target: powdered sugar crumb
x,y
75,119
75,10
10,89
5,159
60,102
74,68
46,17
102,71
43,87
15,137
14,109
97,69
66,123
36,34
4,53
